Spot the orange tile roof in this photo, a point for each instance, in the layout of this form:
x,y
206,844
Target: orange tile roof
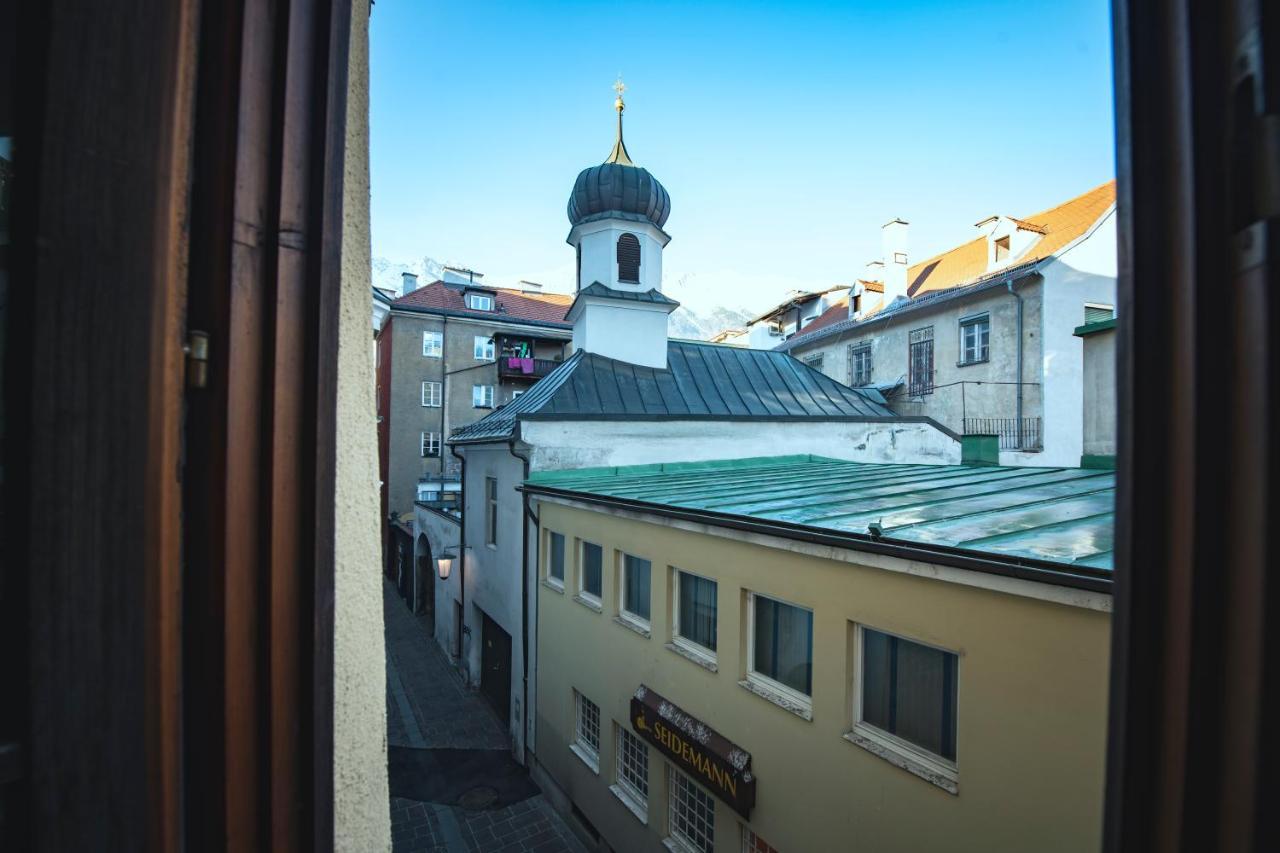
x,y
968,261
873,286
512,305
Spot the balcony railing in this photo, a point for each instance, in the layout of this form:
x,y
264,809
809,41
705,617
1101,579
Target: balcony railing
x,y
532,369
1014,434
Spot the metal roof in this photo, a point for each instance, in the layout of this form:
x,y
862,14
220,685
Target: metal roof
x,y
1054,517
700,381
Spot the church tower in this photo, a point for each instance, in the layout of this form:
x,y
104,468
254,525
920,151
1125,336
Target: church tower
x,y
617,211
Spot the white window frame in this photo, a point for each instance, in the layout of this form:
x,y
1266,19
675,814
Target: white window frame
x,y
430,442
432,393
854,351
636,800
491,512
623,613
479,302
582,746
482,396
973,320
515,395
814,360
432,344
1101,306
557,582
693,647
753,843
761,680
483,347
675,839
916,759
581,590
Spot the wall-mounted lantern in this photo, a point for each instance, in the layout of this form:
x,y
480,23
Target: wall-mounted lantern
x,y
444,565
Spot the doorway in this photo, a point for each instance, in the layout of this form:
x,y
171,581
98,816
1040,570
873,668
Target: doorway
x,y
424,586
495,668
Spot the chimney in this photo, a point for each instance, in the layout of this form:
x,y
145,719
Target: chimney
x,y
893,243
530,287
408,283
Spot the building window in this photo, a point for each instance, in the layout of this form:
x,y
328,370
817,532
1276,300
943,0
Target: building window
x,y
482,396
586,731
589,581
555,559
628,258
633,769
860,364
975,339
491,510
920,362
692,814
1002,250
908,691
695,612
431,444
781,644
634,593
431,394
1095,313
814,360
479,302
752,843
483,348
433,344
515,395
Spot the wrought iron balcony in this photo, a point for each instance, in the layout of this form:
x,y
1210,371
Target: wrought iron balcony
x,y
531,369
1013,434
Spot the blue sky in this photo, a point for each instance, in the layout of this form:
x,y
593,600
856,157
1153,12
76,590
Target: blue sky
x,y
786,133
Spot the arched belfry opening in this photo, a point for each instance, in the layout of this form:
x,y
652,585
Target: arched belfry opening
x,y
628,258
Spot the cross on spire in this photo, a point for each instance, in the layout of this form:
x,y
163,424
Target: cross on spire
x,y
619,152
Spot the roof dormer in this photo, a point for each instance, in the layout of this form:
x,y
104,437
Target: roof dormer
x,y
1008,239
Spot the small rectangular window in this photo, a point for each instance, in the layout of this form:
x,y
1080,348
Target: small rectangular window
x,y
589,584
975,339
555,558
433,344
431,393
695,606
692,814
814,360
633,768
479,302
482,396
635,588
752,843
908,690
1098,313
920,362
1002,250
491,510
781,646
483,347
586,730
860,364
430,444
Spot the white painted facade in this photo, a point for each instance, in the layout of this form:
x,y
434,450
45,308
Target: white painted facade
x,y
635,332
597,243
493,573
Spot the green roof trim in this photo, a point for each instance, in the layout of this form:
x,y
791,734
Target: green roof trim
x,y
1059,520
1094,328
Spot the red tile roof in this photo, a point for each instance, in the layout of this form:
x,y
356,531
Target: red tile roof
x,y
509,304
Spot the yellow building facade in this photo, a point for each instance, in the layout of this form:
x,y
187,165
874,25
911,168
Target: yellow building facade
x,y
940,707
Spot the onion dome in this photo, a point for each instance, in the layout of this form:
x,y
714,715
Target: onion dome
x,y
618,187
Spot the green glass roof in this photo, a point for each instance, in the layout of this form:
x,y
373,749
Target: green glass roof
x,y
1055,515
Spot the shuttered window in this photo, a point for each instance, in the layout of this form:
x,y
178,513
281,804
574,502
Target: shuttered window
x,y
1098,313
628,258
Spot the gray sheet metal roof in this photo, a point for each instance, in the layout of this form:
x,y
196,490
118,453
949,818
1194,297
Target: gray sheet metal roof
x,y
1059,516
700,381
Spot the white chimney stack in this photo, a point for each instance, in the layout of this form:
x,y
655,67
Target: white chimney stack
x,y
893,244
408,283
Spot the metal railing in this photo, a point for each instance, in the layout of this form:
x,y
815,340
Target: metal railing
x,y
516,368
1014,435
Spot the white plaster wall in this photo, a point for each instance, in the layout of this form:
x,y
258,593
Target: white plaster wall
x,y
361,820
442,534
1085,272
599,241
631,332
560,445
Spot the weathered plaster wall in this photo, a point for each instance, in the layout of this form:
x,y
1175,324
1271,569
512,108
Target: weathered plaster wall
x,y
361,819
584,444
1100,393
1032,700
442,533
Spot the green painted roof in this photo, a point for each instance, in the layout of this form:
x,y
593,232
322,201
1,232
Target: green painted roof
x,y
1062,516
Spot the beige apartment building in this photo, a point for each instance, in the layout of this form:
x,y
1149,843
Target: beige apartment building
x,y
805,654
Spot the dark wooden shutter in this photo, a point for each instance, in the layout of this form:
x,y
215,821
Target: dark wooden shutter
x,y
628,258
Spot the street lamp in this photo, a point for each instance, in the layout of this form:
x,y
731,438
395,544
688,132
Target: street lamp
x,y
444,565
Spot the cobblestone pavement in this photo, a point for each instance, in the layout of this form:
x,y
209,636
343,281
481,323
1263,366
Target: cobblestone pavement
x,y
429,707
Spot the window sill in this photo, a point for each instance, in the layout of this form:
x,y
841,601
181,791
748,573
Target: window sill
x,y
634,625
637,808
592,761
702,659
972,363
552,585
802,709
899,756
480,407
589,603
675,845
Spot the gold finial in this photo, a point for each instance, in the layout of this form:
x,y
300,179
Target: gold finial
x,y
619,152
